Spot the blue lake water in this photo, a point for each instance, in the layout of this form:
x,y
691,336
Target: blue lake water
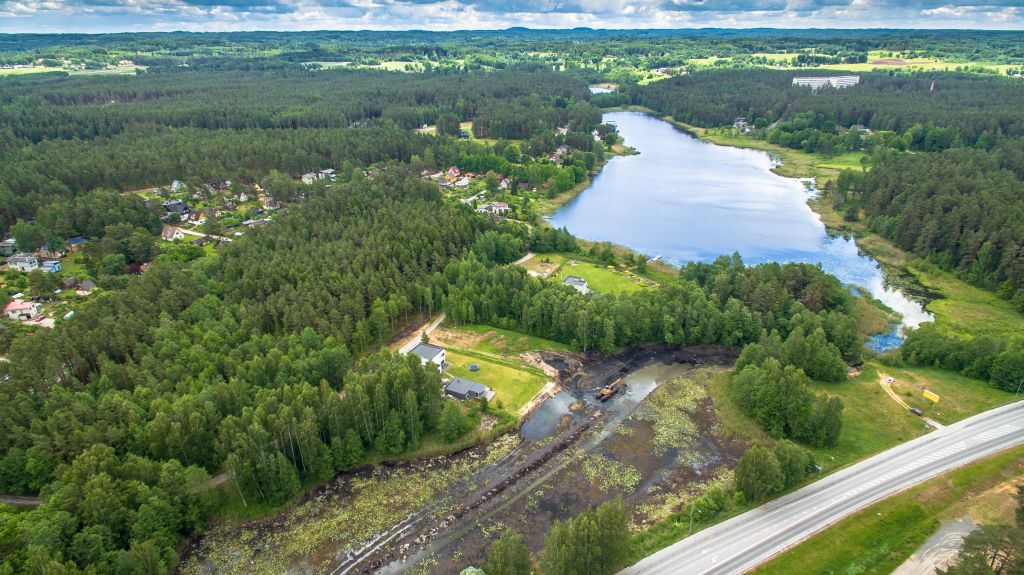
x,y
683,199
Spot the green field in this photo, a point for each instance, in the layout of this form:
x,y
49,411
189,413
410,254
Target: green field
x,y
960,397
881,537
601,278
116,70
513,384
872,421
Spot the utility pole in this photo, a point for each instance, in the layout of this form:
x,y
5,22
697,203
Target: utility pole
x,y
1018,388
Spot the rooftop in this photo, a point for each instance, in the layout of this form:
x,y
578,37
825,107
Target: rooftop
x,y
427,351
574,281
466,387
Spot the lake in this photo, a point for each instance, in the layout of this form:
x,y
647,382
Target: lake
x,y
687,200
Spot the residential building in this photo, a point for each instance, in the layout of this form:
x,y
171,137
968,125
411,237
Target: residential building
x,y
171,233
577,283
22,310
8,247
496,208
430,353
23,262
176,207
52,266
202,241
74,244
463,389
86,287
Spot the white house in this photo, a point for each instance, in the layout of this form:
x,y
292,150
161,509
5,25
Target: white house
x,y
577,283
171,233
23,262
430,353
21,310
496,208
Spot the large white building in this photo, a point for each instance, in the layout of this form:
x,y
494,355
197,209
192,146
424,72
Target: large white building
x,y
816,82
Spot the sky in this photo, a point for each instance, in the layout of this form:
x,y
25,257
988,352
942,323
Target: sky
x,y
230,15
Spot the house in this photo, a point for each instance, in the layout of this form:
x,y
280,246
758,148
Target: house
x,y
462,183
577,283
171,233
74,244
430,353
52,266
816,82
87,287
175,207
202,241
23,262
69,282
496,208
328,174
463,389
453,173
8,247
740,123
309,177
176,186
22,310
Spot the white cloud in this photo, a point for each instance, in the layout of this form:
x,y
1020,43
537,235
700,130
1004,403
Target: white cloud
x,y
223,15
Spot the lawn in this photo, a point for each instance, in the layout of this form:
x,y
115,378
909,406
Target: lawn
x,y
879,538
513,384
960,397
872,421
602,278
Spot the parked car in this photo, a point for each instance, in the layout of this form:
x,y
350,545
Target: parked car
x,y
915,411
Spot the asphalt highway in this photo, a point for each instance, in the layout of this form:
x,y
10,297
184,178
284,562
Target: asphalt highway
x,y
743,542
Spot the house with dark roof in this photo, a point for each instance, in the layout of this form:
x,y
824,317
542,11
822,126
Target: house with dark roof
x,y
577,283
176,207
86,287
463,389
203,241
430,353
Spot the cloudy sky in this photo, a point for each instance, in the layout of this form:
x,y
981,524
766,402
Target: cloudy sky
x,y
220,15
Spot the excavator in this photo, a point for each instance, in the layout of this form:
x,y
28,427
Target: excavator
x,y
606,392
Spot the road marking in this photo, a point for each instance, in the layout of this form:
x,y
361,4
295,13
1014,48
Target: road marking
x,y
997,432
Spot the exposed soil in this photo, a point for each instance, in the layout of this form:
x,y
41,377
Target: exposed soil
x,y
889,62
582,452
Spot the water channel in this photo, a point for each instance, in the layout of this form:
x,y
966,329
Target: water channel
x,y
687,200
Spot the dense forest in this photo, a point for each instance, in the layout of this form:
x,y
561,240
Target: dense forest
x,y
963,109
962,209
261,362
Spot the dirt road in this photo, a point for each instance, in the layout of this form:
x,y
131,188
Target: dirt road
x,y
883,380
414,339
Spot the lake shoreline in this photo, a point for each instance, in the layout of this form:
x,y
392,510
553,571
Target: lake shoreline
x,y
882,282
